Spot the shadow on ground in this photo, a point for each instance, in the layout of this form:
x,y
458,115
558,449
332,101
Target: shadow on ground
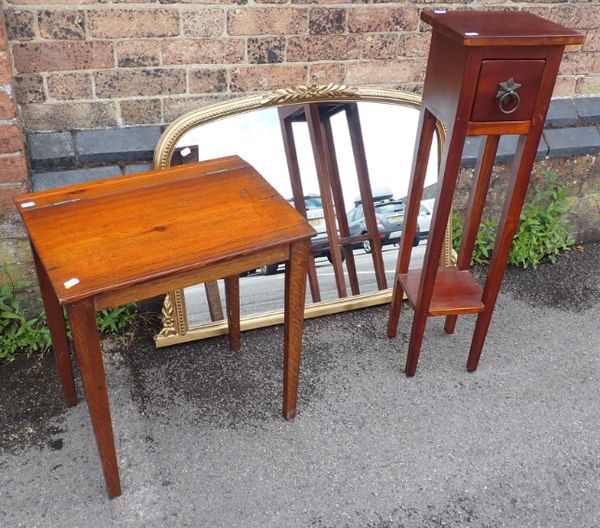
x,y
201,441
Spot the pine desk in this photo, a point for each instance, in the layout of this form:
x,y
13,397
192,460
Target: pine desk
x,y
102,244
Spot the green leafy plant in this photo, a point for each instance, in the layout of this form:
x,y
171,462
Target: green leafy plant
x,y
544,230
30,335
17,331
116,319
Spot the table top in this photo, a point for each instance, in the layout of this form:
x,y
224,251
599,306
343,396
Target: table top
x,y
101,236
499,28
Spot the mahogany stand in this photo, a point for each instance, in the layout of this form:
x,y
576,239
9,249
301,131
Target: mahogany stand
x,y
318,119
488,73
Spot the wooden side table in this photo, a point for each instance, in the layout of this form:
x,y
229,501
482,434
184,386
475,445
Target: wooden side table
x,y
103,244
488,73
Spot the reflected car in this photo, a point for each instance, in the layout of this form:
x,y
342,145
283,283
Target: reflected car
x,y
389,214
316,218
425,212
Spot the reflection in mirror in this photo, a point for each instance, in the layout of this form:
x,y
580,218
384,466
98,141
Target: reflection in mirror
x,y
384,133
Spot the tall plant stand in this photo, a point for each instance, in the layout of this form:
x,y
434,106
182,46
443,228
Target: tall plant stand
x,y
488,73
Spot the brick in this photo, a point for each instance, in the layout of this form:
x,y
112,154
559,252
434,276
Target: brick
x,y
3,32
267,77
225,2
203,51
5,68
62,24
266,50
331,2
576,64
13,168
588,109
380,46
19,24
174,107
63,55
325,21
271,21
592,41
323,47
117,144
414,45
561,113
380,72
141,112
327,73
207,81
50,150
588,85
66,116
56,2
572,141
379,19
11,139
203,22
597,65
29,88
8,108
133,82
564,87
137,53
67,86
7,192
50,180
583,16
133,23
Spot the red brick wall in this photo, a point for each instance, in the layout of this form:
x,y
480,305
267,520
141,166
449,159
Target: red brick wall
x,y
101,64
14,248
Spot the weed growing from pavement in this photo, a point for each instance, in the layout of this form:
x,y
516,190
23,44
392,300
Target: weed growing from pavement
x,y
544,230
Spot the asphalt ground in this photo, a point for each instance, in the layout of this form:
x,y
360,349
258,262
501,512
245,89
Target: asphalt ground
x,y
201,442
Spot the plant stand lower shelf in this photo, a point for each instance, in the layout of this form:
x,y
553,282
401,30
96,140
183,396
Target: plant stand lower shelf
x,y
454,292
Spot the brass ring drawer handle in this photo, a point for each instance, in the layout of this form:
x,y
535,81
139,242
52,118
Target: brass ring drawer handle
x,y
507,98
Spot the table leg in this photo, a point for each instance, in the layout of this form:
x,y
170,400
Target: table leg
x,y
295,289
82,317
58,333
232,296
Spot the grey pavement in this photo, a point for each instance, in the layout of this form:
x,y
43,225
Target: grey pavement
x,y
201,441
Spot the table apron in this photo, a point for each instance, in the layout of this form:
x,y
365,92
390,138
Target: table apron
x,y
174,281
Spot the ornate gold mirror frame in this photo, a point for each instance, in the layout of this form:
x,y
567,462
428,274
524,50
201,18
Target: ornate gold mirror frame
x,y
175,327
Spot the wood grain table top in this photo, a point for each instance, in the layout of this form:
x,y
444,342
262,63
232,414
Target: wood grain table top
x,y
99,236
499,28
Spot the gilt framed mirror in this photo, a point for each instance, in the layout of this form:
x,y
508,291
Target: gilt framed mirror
x,y
342,156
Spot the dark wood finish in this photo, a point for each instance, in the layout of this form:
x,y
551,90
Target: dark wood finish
x,y
479,189
295,285
213,297
232,294
454,292
58,333
318,143
158,231
82,319
318,117
291,156
471,53
338,200
366,193
492,73
499,28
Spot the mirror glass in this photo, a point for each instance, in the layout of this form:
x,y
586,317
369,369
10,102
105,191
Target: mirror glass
x,y
388,136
